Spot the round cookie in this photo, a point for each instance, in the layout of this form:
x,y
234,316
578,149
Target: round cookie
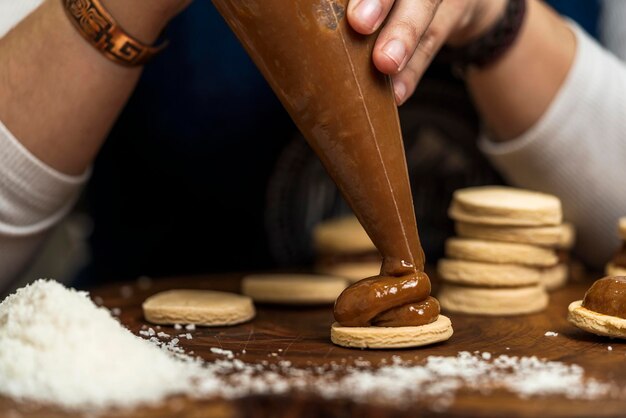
x,y
199,307
500,252
341,236
485,274
353,271
485,301
613,270
622,228
559,236
594,322
568,237
293,289
392,337
553,278
499,205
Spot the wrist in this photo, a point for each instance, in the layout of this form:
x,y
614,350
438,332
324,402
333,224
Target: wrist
x,y
482,16
143,19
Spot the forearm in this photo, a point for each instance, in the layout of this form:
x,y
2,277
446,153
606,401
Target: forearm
x,y
514,93
59,95
576,149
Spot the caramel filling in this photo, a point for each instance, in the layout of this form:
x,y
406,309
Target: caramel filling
x,y
607,296
322,72
388,301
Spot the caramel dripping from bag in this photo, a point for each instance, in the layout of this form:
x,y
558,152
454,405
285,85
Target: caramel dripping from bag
x,y
321,70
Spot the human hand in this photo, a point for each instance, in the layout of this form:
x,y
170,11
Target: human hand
x,y
415,30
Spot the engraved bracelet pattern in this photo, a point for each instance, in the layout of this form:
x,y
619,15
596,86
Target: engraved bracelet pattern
x,y
99,28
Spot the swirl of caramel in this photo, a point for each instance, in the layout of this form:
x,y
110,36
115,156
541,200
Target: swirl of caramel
x,y
388,301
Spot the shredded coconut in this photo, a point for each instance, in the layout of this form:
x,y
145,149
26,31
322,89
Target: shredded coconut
x,y
190,327
551,334
56,346
609,348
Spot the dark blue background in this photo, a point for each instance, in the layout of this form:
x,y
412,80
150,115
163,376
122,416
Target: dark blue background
x,y
180,185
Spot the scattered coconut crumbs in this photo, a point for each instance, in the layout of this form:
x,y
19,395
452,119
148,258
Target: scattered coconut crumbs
x,y
51,331
551,334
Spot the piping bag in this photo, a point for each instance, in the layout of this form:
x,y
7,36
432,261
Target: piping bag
x,y
322,72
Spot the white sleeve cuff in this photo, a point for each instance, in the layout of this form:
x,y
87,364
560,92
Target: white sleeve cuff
x,y
577,150
33,196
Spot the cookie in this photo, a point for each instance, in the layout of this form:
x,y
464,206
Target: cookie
x,y
293,289
342,236
500,252
392,337
199,307
622,228
594,322
559,236
486,301
498,205
553,278
474,273
568,237
613,270
352,271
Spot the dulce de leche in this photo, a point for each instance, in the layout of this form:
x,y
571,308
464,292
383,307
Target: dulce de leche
x,y
607,296
323,74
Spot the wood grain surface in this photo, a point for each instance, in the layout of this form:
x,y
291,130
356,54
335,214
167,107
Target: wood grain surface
x,y
301,335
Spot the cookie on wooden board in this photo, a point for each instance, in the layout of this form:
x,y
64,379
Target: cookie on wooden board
x,y
293,289
392,337
622,228
613,270
341,236
199,307
500,252
490,301
594,322
475,273
559,236
553,278
352,271
499,205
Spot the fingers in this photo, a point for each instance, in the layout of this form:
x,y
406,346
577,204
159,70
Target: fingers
x,y
366,16
446,20
399,37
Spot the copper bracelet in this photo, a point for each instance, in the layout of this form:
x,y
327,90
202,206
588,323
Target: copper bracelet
x,y
99,28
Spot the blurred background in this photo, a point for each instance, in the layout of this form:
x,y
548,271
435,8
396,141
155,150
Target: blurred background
x,y
205,172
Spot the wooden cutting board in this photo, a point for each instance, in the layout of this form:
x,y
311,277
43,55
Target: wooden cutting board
x,y
302,337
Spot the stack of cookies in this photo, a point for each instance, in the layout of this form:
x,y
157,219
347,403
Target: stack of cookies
x,y
343,249
506,252
617,266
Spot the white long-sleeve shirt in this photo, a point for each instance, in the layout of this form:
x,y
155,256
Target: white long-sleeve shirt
x,y
576,151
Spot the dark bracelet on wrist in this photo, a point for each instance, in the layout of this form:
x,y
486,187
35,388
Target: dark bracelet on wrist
x,y
491,46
